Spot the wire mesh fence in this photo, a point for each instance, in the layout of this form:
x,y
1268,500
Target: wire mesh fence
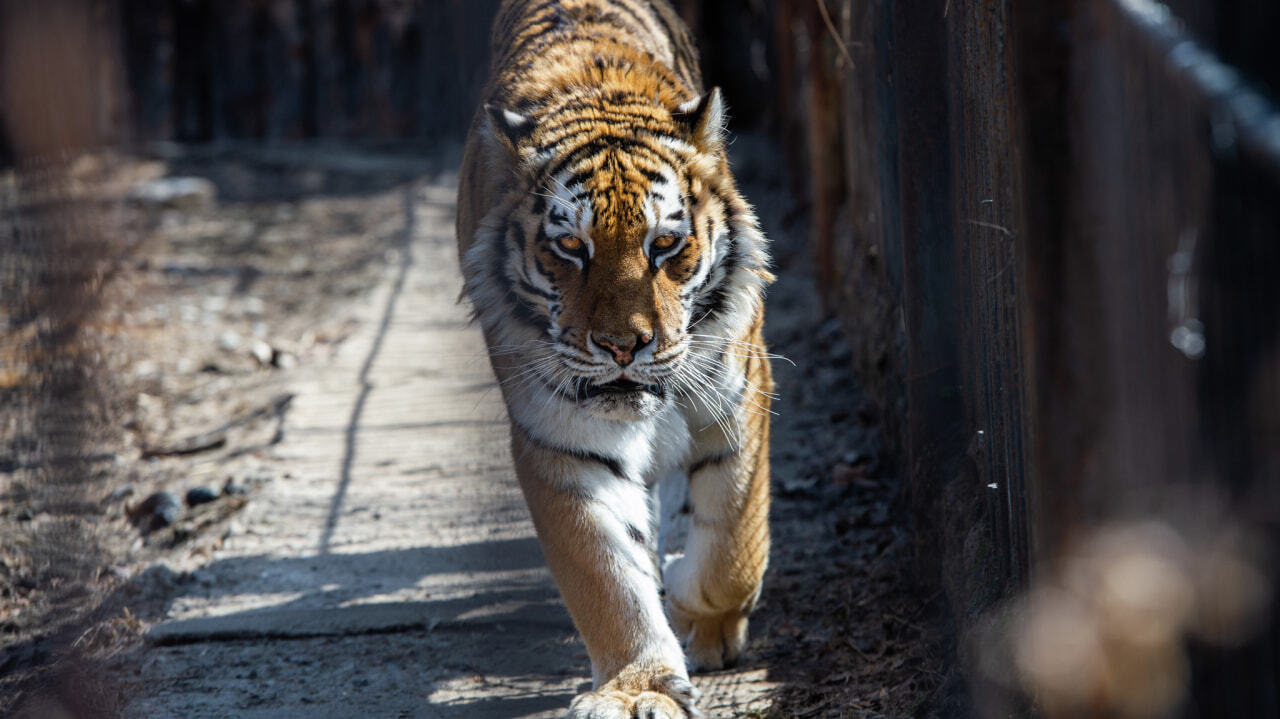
x,y
1072,208
1052,231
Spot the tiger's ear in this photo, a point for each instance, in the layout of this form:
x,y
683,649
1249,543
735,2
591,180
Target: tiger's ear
x,y
703,120
511,127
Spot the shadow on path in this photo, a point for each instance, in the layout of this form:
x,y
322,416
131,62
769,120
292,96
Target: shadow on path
x,y
482,579
497,642
357,410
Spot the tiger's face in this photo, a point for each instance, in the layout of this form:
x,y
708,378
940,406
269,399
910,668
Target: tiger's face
x,y
617,253
614,254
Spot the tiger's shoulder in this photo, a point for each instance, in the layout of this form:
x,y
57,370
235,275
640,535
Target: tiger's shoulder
x,y
570,66
539,45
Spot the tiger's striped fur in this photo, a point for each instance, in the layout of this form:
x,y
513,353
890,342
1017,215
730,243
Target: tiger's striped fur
x,y
618,276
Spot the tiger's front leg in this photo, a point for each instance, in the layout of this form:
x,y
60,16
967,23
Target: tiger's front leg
x,y
713,587
592,522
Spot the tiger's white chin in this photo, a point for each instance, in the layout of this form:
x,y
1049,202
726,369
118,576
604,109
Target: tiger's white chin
x,y
623,406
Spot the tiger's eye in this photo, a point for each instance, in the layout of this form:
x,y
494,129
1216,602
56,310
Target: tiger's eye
x,y
569,243
664,242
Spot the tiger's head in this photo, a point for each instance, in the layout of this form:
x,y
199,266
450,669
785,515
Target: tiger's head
x,y
624,249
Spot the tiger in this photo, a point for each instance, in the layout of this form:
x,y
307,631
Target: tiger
x,y
618,277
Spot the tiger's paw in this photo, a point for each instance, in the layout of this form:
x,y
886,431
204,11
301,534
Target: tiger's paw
x,y
713,642
639,695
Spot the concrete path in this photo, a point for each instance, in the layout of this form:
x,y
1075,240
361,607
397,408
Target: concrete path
x,y
390,570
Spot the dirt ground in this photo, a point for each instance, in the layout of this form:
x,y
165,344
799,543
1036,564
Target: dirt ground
x,y
285,491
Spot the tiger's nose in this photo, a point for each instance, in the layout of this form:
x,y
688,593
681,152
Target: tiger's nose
x,y
622,348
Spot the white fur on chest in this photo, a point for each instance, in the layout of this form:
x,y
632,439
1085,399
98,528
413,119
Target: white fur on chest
x,y
645,448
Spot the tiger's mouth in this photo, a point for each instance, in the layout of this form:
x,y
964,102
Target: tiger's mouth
x,y
619,386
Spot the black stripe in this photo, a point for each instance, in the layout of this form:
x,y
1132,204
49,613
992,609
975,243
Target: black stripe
x,y
578,177
503,23
620,22
613,465
636,535
630,11
580,493
711,244
515,232
564,34
519,308
621,108
523,312
696,269
500,260
537,262
591,148
569,126
713,302
597,143
527,287
711,459
666,26
524,14
713,305
686,68
532,41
